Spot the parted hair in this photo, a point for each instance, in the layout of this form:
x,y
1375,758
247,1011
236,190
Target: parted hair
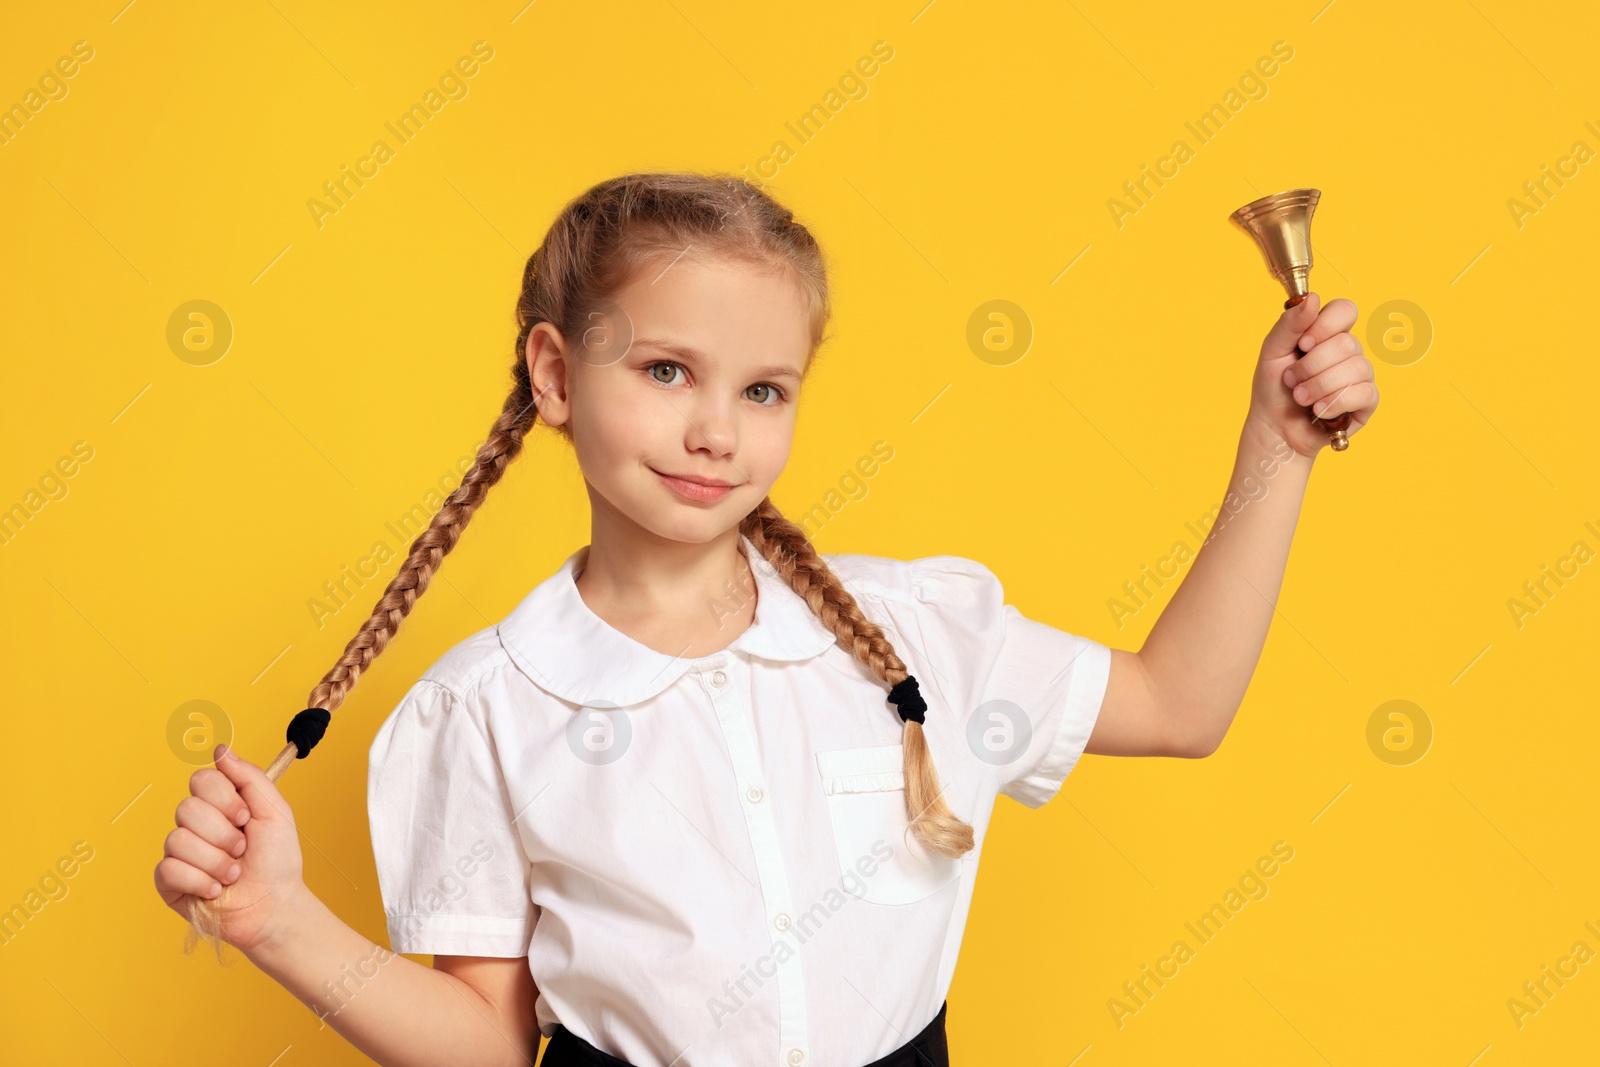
x,y
598,242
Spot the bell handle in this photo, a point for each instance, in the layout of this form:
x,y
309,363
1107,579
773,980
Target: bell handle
x,y
1337,425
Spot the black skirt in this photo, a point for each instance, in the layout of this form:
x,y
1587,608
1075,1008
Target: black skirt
x,y
927,1049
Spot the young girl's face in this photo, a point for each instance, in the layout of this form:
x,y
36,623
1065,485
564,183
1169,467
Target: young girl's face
x,y
685,432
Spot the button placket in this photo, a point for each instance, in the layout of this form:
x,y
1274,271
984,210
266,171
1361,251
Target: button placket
x,y
738,728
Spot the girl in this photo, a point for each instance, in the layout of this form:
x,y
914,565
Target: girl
x,y
706,797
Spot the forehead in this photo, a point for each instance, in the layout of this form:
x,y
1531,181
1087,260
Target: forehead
x,y
731,311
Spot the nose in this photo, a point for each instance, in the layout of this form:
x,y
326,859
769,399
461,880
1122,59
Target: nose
x,y
711,429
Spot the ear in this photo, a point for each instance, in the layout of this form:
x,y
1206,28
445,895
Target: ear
x,y
548,364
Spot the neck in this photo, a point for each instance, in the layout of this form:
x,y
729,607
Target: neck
x,y
678,598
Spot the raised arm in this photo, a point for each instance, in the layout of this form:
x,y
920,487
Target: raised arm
x,y
1178,694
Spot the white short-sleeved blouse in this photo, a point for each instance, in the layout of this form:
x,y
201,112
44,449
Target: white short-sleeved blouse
x,y
706,860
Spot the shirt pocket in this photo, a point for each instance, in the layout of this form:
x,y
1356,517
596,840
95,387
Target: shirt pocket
x,y
881,861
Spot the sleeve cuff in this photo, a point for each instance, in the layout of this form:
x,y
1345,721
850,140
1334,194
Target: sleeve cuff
x,y
1085,695
460,935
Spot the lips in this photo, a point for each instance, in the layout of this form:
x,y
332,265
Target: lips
x,y
715,483
695,488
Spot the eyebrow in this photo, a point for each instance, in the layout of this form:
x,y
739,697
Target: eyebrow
x,y
690,353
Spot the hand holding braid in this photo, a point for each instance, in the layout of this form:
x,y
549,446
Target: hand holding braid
x,y
427,551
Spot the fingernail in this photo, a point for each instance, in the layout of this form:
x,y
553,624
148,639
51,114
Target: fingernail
x,y
242,817
233,872
1305,342
222,750
215,890
238,848
1288,376
1300,394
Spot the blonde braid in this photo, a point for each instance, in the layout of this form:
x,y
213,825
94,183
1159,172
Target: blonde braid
x,y
428,550
791,554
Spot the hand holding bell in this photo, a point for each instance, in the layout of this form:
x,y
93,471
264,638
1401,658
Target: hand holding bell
x,y
1280,225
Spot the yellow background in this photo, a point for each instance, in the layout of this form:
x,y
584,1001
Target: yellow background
x,y
372,353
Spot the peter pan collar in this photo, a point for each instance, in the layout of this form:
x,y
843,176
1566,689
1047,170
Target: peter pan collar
x,y
570,652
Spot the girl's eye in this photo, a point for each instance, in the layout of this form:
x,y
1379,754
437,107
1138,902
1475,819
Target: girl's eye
x,y
764,393
652,371
773,391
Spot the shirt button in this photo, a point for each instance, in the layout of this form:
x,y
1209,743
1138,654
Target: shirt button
x,y
754,794
718,679
795,1056
781,922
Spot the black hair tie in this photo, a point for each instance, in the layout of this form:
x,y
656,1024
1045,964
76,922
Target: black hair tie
x,y
307,728
908,700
